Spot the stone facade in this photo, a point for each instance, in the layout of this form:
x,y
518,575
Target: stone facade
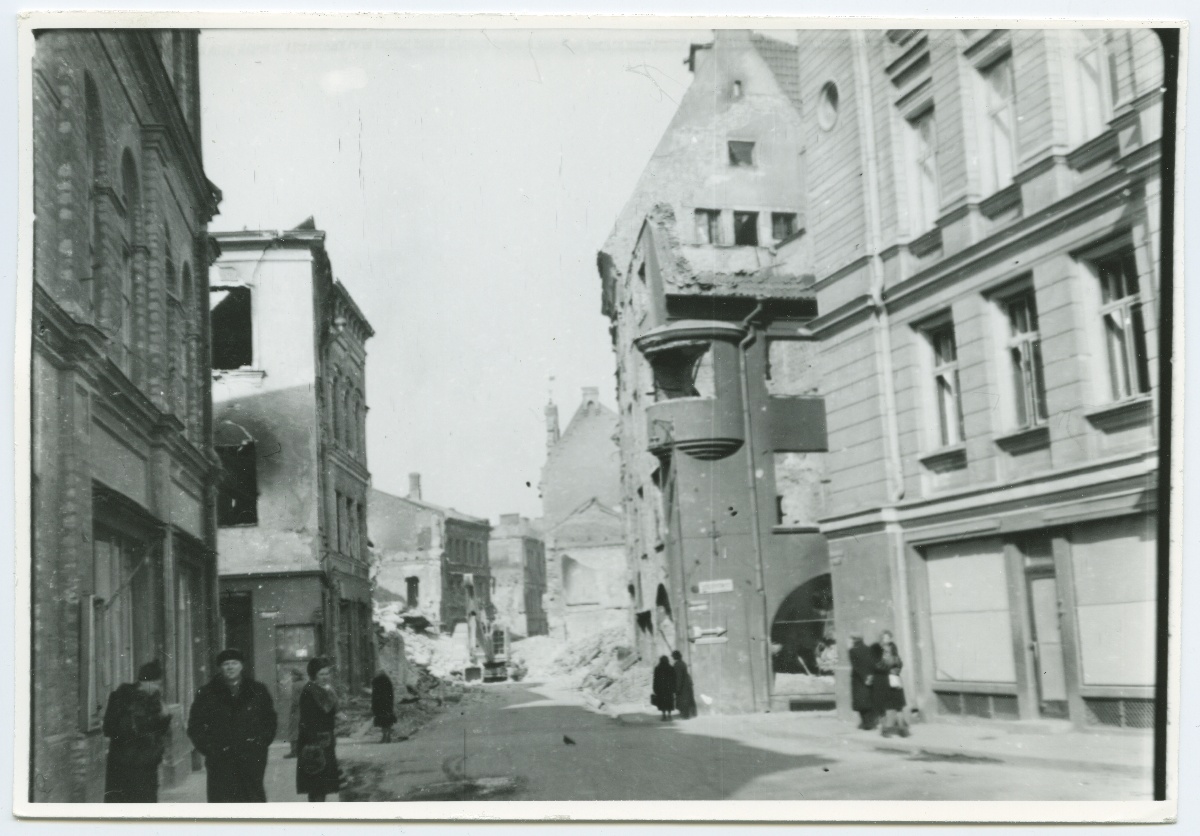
x,y
122,495
517,557
289,425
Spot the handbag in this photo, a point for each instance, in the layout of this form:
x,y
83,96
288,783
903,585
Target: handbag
x,y
654,700
894,680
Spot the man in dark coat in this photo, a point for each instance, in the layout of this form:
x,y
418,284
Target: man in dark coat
x,y
137,724
862,672
232,724
383,704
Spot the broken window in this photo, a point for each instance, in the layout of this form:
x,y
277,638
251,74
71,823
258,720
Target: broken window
x,y
237,499
708,226
231,328
684,371
741,153
745,229
783,225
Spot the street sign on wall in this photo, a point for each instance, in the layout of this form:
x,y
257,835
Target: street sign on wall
x,y
713,587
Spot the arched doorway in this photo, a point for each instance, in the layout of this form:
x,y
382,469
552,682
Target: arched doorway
x,y
804,649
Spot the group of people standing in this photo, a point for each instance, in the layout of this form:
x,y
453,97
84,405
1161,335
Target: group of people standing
x,y
232,723
876,691
672,688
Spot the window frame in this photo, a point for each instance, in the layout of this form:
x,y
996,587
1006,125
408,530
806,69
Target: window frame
x,y
1080,127
1028,408
789,218
251,452
924,192
752,218
734,158
992,176
944,377
1128,312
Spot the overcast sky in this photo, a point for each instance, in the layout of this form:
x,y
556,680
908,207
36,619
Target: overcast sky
x,y
465,180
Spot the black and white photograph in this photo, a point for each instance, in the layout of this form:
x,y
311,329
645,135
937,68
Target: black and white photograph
x,y
607,418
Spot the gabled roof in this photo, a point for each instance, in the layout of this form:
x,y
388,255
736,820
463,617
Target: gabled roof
x,y
783,59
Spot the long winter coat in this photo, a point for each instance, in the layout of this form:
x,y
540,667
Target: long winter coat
x,y
383,701
886,660
316,766
664,687
232,731
685,697
137,728
862,677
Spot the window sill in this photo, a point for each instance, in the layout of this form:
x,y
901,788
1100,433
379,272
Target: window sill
x,y
1024,440
240,374
926,242
1001,201
953,457
1094,150
1121,415
795,529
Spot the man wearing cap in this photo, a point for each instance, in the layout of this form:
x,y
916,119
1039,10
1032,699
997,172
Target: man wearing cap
x,y
232,724
862,671
137,724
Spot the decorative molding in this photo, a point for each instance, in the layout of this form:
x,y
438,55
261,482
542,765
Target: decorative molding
x,y
1003,200
926,242
1094,151
1122,415
1024,440
946,460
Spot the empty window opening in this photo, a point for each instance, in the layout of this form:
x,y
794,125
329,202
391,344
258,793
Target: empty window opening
x,y
237,500
684,372
708,226
737,90
741,153
232,347
745,229
413,591
783,225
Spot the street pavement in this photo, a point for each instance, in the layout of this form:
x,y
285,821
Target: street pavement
x,y
520,742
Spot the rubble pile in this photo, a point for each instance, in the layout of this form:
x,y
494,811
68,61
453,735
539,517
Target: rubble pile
x,y
537,654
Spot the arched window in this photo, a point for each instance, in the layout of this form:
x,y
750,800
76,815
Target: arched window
x,y
131,196
93,173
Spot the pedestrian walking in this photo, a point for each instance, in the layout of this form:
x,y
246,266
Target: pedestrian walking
x,y
663,695
232,724
685,697
295,686
383,704
137,723
317,772
886,688
862,676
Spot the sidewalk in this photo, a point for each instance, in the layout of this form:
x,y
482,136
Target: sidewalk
x,y
280,782
1047,745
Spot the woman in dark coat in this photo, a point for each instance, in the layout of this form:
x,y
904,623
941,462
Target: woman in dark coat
x,y
862,678
383,704
137,723
685,697
886,691
317,772
664,687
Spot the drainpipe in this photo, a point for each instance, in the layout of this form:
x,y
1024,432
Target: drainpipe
x,y
883,331
760,570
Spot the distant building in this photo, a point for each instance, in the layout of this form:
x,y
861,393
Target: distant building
x,y
289,409
431,558
587,586
517,557
123,473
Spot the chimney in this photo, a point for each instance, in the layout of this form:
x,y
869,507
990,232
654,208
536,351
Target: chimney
x,y
414,486
551,425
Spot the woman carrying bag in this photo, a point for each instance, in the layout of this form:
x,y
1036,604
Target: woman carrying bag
x,y
886,688
317,772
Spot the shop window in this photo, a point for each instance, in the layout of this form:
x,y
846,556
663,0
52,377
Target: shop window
x,y
920,151
232,343
237,498
741,153
708,226
745,229
1123,325
1024,349
998,151
783,225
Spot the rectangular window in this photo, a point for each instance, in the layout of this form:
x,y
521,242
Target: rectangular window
x,y
741,153
783,225
232,347
1124,328
708,226
924,202
945,384
237,499
745,229
1024,348
1094,78
998,155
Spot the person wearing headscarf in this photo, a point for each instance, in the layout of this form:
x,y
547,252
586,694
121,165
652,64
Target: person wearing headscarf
x,y
663,696
317,772
232,724
886,689
137,725
685,697
383,704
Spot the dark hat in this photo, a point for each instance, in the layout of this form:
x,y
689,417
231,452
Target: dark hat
x,y
230,653
315,666
675,654
150,672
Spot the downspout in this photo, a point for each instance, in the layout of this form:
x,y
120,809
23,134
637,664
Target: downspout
x,y
883,331
752,484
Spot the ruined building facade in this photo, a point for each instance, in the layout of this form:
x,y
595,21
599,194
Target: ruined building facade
x,y
969,303
517,558
586,565
289,404
123,473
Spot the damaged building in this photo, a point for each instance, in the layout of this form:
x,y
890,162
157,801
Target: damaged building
x,y
930,407
289,415
587,578
123,474
517,558
431,559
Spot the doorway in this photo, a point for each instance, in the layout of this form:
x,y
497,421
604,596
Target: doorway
x,y
237,622
1045,629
